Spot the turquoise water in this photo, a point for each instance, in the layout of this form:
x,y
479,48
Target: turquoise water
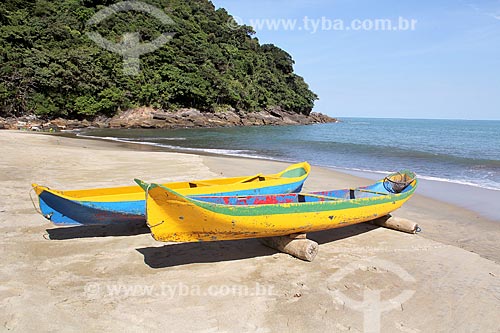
x,y
457,151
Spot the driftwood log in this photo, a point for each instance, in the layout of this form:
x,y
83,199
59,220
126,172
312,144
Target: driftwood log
x,y
295,245
397,223
300,247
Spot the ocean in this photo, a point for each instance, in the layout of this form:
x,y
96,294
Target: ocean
x,y
454,151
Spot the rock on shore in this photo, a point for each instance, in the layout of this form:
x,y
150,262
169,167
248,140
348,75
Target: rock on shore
x,y
146,117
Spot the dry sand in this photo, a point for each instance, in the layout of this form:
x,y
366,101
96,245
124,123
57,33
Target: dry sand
x,y
119,279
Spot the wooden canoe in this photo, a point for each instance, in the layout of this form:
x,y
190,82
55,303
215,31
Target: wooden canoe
x,y
118,205
173,217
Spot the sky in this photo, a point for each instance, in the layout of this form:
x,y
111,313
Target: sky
x,y
447,67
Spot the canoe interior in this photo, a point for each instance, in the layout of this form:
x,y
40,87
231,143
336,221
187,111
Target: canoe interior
x,y
375,190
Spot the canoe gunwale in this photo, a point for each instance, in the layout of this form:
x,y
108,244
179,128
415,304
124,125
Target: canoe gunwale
x,y
294,208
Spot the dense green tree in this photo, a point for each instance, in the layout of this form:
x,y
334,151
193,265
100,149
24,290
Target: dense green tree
x,y
50,67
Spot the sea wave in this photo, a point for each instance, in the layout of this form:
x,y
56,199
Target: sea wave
x,y
426,177
225,152
130,140
461,182
149,141
154,139
388,150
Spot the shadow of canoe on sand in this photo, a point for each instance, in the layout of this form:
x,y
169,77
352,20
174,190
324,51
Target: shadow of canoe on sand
x,y
179,254
66,233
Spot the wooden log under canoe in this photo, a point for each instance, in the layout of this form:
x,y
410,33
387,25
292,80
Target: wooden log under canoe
x,y
397,223
296,245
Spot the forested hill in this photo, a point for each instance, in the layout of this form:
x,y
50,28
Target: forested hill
x,y
50,66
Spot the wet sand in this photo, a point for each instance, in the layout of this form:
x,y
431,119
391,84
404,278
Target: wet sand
x,y
119,279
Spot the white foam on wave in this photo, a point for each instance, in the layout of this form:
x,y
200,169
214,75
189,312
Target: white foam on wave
x,y
366,170
128,140
460,182
152,139
226,152
431,178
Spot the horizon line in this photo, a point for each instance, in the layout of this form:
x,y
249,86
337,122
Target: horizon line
x,y
408,118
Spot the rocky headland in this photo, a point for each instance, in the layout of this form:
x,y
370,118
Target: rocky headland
x,y
147,117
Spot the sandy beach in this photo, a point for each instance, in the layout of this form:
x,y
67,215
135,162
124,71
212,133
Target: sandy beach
x,y
447,278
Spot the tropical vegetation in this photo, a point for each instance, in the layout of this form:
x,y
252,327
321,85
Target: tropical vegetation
x,y
50,67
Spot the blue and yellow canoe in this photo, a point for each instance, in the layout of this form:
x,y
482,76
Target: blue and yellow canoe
x,y
119,205
173,217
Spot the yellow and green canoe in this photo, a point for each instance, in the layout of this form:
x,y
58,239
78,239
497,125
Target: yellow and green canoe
x,y
174,217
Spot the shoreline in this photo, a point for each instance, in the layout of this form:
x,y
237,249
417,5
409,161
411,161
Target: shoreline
x,y
478,199
443,221
118,278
